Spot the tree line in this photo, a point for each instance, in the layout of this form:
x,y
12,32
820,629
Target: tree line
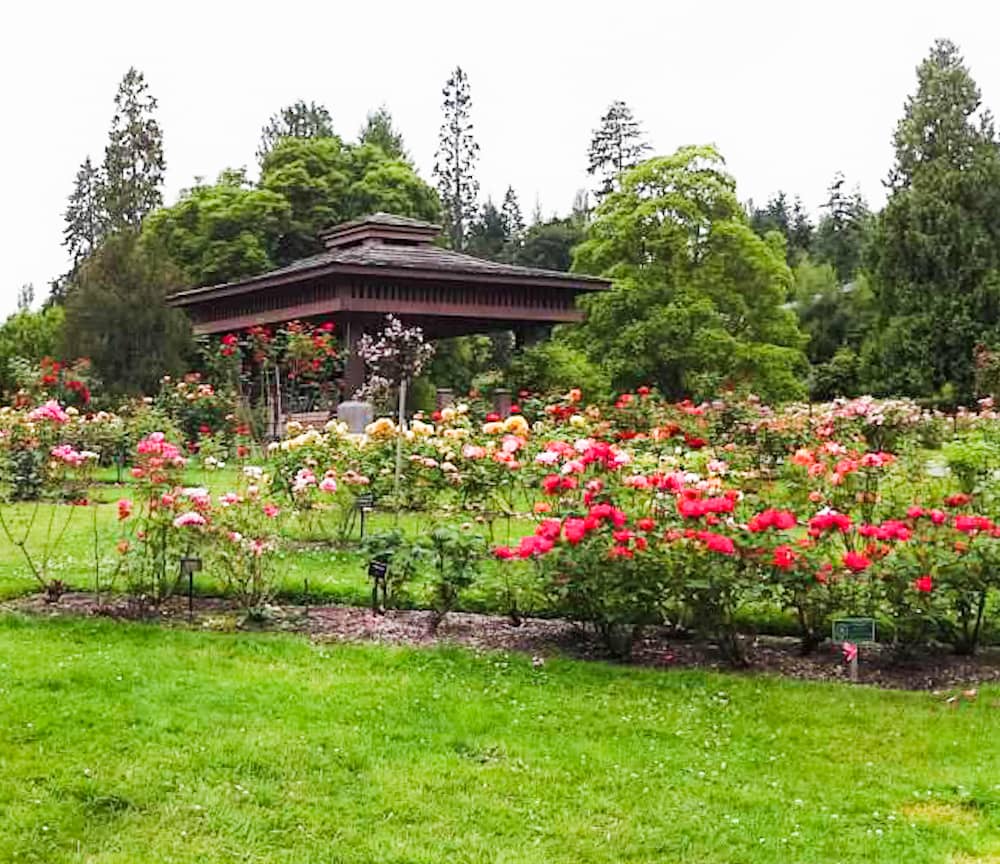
x,y
709,292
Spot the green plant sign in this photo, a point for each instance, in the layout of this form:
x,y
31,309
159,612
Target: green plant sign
x,y
854,630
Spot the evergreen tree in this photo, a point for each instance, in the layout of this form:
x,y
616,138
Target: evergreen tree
x,y
456,158
843,230
118,317
510,215
936,252
298,120
85,217
487,236
133,159
25,297
378,130
549,245
791,221
616,146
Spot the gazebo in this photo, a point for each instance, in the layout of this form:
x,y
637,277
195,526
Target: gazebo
x,y
386,264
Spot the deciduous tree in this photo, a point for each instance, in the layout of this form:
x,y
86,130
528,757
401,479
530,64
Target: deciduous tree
x,y
698,297
217,233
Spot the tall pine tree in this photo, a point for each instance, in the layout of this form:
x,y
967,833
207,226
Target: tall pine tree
x,y
85,216
616,146
133,160
510,213
298,120
455,161
936,252
379,130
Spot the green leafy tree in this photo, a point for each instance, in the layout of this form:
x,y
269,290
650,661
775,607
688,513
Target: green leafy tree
x,y
549,245
698,297
836,316
937,249
382,183
86,220
298,120
325,182
118,317
617,145
455,161
222,232
844,230
133,160
28,336
380,131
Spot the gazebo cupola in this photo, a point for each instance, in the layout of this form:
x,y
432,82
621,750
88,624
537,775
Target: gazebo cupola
x,y
386,264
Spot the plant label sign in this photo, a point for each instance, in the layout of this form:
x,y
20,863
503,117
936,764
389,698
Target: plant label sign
x,y
854,630
365,502
378,569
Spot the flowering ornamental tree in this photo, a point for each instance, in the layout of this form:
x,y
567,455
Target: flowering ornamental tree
x,y
395,356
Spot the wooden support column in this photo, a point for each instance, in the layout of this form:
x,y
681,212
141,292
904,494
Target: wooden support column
x,y
354,371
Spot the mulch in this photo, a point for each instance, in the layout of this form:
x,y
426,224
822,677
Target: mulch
x,y
933,670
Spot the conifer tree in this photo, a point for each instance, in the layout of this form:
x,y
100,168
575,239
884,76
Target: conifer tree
x,y
298,120
936,252
455,161
379,130
616,146
85,217
510,215
133,159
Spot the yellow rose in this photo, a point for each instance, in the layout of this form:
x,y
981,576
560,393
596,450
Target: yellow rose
x,y
516,425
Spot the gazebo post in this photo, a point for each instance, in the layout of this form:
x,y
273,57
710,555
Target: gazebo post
x,y
354,370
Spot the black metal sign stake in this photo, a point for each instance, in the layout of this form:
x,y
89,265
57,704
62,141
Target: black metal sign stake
x,y
190,564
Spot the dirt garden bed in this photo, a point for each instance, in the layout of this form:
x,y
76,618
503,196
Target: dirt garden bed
x,y
540,638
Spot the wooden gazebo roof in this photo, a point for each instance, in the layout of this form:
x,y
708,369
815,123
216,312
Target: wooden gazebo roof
x,y
390,264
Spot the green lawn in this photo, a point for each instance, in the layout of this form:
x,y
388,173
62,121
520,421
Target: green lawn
x,y
128,743
333,575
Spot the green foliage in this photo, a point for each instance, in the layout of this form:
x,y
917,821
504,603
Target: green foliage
x,y
557,366
380,132
85,214
117,316
844,232
790,221
455,557
550,245
298,120
936,249
133,160
617,145
29,336
455,160
698,297
222,232
326,182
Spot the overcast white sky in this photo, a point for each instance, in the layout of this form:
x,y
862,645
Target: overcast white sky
x,y
789,91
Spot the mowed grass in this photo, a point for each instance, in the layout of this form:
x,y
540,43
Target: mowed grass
x,y
129,743
81,542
